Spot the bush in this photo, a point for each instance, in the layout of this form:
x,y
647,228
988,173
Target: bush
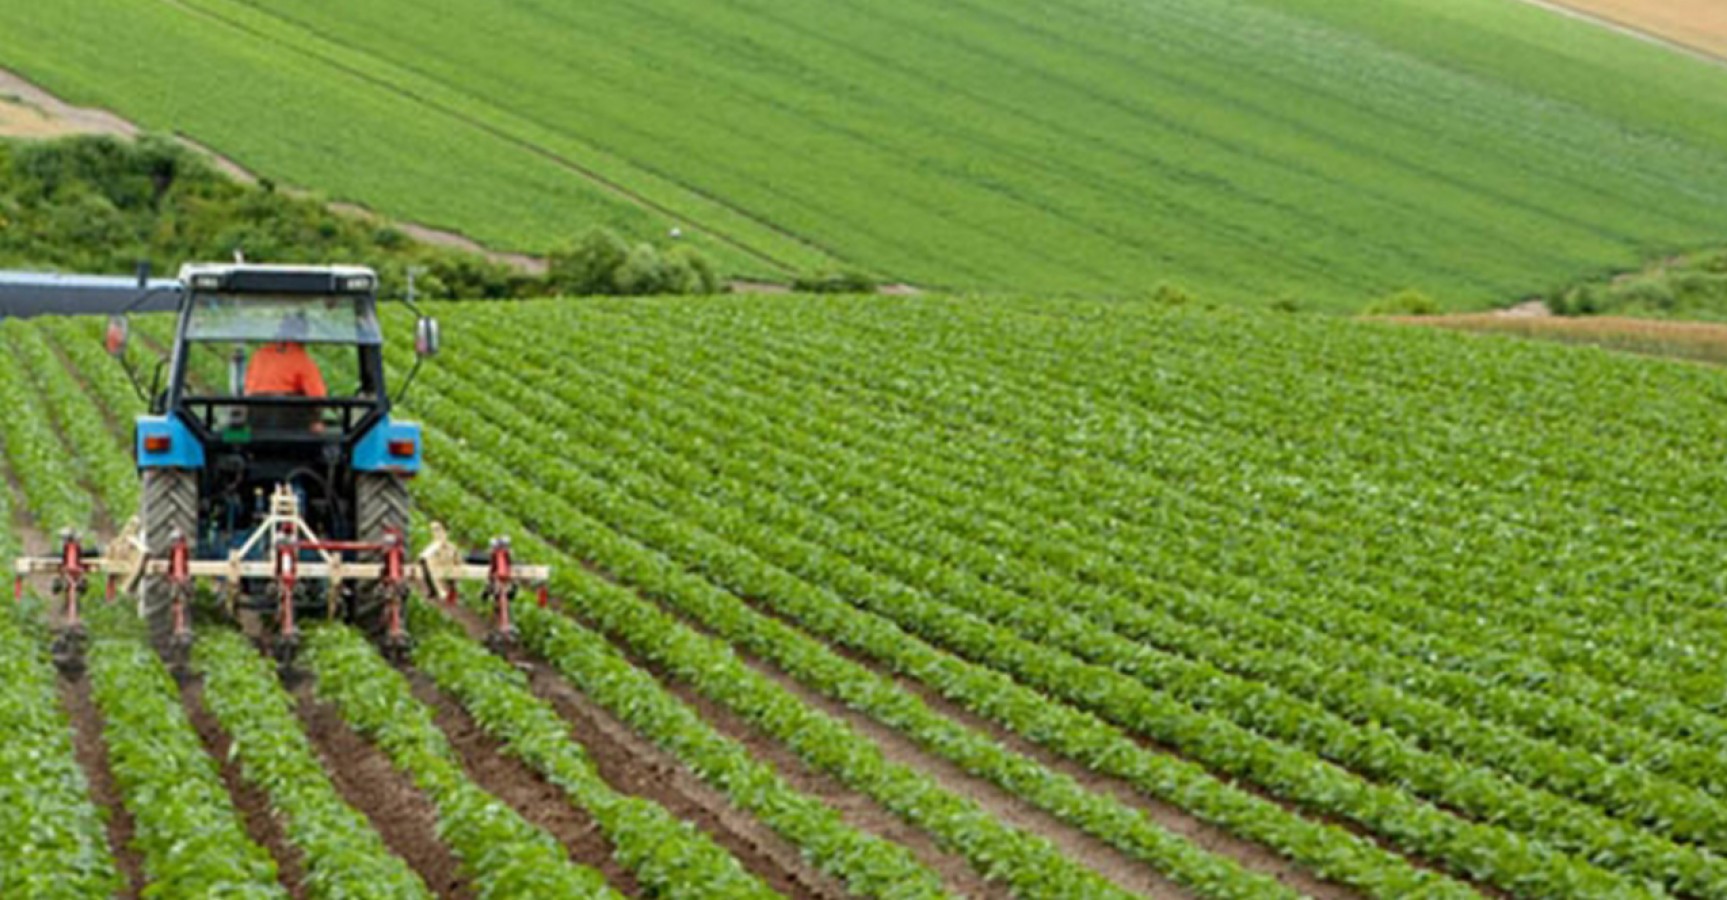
x,y
601,263
848,281
588,266
1404,303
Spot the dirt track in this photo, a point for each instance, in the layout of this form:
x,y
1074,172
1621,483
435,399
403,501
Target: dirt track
x,y
1697,27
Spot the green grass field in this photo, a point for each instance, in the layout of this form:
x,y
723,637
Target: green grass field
x,y
1327,151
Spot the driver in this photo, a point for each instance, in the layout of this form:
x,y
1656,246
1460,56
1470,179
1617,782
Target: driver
x,y
283,367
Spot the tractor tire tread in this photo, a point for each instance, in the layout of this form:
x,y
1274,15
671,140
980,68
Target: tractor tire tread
x,y
381,502
168,503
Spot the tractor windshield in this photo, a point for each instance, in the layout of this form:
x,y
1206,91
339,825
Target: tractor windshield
x,y
257,350
266,317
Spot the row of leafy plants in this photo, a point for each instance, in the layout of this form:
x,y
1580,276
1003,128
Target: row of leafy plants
x,y
106,469
504,854
344,856
1482,851
53,842
37,456
190,837
673,859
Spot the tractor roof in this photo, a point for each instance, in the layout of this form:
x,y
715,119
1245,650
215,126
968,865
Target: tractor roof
x,y
246,278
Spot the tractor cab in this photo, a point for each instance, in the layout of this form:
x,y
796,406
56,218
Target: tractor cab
x,y
277,356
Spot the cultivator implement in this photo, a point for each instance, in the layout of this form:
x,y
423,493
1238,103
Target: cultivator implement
x,y
289,569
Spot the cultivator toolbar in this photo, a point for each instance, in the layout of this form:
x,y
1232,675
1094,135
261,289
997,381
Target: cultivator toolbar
x,y
283,570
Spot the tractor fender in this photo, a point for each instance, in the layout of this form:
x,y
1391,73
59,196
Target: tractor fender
x,y
165,442
382,448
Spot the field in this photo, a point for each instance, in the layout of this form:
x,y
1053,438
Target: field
x,y
1317,151
914,597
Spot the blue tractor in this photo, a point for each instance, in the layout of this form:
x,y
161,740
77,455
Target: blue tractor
x,y
272,468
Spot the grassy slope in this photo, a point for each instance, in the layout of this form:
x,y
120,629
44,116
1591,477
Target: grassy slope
x,y
1330,151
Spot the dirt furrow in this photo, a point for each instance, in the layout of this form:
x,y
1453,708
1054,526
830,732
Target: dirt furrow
x,y
634,765
254,805
388,799
507,778
92,754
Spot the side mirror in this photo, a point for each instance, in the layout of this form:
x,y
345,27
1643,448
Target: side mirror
x,y
427,337
119,332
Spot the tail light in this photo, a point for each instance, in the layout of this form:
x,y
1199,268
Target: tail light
x,y
402,449
158,443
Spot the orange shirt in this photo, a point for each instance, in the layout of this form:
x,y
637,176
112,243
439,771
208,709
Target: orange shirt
x,y
284,369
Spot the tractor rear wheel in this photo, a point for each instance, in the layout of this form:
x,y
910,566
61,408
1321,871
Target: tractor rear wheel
x,y
169,506
381,504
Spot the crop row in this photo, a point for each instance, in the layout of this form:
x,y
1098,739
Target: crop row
x,y
36,454
344,856
1367,749
504,854
673,859
1331,852
105,466
52,840
188,833
1482,851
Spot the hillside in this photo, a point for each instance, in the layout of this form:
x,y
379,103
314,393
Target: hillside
x,y
1054,599
1315,150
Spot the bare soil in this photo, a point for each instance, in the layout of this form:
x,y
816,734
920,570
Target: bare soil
x,y
27,111
634,765
92,754
261,823
1695,341
368,782
509,779
1699,26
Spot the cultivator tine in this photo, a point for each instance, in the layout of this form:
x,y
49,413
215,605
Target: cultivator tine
x,y
70,637
500,590
394,577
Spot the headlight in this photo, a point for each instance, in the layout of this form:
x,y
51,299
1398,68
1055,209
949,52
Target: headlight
x,y
357,283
